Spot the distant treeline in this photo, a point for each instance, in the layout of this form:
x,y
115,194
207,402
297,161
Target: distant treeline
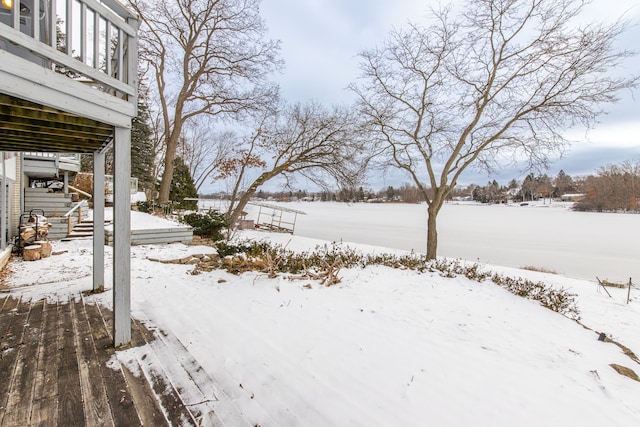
x,y
614,188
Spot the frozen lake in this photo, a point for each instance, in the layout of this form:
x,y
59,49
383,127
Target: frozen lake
x,y
575,244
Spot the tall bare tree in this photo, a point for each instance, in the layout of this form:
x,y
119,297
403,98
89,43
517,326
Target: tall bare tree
x,y
500,81
208,57
309,140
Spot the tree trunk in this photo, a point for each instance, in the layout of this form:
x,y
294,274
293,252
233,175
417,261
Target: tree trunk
x,y
439,196
432,232
237,210
165,183
170,154
247,195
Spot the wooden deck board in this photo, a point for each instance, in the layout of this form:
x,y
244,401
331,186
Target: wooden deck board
x,y
70,409
94,398
20,396
58,367
119,398
177,413
45,388
14,318
144,400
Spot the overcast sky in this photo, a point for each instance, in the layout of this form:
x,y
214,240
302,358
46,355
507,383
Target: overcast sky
x,y
321,40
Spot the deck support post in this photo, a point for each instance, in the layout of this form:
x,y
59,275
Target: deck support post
x,y
98,220
66,181
122,237
3,205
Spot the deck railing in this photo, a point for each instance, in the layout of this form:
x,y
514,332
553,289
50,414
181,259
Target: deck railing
x,y
58,157
90,41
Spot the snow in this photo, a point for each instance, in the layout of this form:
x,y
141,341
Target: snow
x,y
142,221
383,347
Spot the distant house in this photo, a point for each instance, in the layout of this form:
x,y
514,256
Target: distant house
x,y
574,197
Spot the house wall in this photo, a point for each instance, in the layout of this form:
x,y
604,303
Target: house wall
x,y
10,161
12,171
7,175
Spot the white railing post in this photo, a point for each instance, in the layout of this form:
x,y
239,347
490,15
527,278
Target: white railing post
x,y
52,29
69,28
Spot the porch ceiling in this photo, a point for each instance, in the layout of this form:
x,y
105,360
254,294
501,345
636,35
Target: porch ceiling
x,y
27,126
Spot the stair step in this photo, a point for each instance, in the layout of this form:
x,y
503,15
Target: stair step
x,y
84,229
73,235
90,222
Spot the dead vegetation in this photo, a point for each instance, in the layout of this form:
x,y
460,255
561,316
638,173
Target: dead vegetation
x,y
539,269
627,372
324,263
605,282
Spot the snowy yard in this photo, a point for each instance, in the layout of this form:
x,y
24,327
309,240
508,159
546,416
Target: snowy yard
x,y
385,347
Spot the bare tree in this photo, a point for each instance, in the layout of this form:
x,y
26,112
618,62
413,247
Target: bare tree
x,y
613,189
208,57
306,140
498,82
202,150
158,143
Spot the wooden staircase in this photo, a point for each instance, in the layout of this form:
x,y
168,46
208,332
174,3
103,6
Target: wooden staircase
x,y
54,205
83,229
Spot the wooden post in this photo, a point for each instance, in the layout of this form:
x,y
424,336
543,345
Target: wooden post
x,y
3,205
68,225
629,291
98,220
122,237
605,289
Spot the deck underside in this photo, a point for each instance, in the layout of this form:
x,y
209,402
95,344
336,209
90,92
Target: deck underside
x,y
27,126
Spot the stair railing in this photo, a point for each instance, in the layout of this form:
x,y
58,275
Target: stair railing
x,y
69,214
77,190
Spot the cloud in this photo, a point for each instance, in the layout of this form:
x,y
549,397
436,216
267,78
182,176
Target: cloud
x,y
321,40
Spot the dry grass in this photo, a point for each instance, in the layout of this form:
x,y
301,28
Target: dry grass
x,y
605,282
539,269
627,372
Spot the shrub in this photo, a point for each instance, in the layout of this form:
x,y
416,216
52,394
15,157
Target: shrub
x,y
282,260
247,247
209,225
145,207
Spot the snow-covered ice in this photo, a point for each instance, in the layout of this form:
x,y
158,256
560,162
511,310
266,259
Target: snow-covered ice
x,y
551,236
385,347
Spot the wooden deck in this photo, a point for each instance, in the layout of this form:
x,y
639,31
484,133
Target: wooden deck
x,y
57,368
155,236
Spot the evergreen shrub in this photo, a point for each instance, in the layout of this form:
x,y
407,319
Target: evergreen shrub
x,y
208,225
